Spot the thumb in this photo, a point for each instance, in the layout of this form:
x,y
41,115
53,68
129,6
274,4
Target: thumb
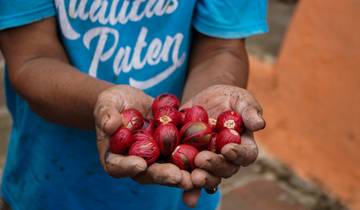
x,y
119,166
188,104
253,119
107,112
108,118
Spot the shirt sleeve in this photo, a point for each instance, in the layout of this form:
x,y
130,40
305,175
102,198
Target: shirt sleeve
x,y
15,13
231,19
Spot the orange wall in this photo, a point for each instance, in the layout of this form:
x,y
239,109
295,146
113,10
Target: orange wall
x,y
311,96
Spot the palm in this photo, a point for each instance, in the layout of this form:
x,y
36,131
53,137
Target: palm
x,y
220,98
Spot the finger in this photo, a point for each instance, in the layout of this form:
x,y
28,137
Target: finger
x,y
186,182
108,117
250,109
102,141
191,197
201,178
253,119
126,96
119,166
146,108
188,104
241,154
160,173
216,164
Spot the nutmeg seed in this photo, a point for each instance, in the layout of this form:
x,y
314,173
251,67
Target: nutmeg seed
x,y
196,114
132,119
120,141
227,136
168,114
197,134
167,138
229,119
163,100
149,126
146,149
184,157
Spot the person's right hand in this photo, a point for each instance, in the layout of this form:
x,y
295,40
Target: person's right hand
x,y
108,119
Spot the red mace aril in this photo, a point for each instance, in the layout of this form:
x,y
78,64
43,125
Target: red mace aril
x,y
227,136
146,149
168,114
197,134
141,134
167,138
132,119
229,119
149,126
212,144
120,141
165,100
184,157
183,114
196,114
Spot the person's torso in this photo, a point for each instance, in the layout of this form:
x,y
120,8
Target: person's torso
x,y
144,43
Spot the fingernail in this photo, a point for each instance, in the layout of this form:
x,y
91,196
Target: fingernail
x,y
106,156
212,190
207,163
140,167
105,122
232,155
174,179
112,160
229,152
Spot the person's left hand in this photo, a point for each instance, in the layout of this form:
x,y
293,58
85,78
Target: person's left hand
x,y
210,166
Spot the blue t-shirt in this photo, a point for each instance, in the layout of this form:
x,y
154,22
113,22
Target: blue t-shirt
x,y
143,43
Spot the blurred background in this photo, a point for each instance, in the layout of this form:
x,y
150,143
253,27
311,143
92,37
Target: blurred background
x,y
306,74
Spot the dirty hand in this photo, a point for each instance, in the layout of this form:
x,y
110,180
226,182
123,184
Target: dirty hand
x,y
108,119
217,99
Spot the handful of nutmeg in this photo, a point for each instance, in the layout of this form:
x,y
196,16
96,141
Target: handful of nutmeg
x,y
172,135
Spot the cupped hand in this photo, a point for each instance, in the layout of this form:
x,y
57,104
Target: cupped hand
x,y
108,119
217,99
